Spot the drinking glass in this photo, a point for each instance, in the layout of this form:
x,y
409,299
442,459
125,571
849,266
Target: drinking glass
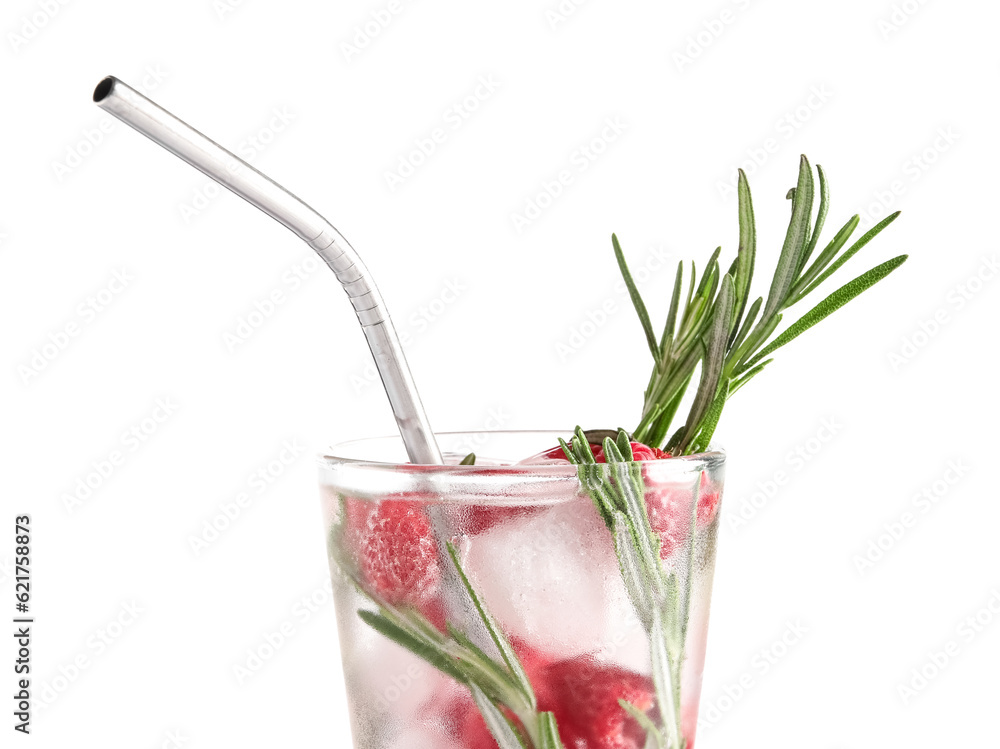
x,y
542,562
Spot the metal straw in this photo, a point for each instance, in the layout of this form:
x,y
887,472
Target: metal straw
x,y
134,109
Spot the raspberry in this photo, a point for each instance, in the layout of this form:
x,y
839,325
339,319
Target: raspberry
x,y
397,554
670,513
639,452
480,518
585,702
556,454
583,695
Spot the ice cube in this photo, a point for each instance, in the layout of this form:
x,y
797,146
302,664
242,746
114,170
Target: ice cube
x,y
551,579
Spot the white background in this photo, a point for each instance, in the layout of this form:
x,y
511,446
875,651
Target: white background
x,y
896,101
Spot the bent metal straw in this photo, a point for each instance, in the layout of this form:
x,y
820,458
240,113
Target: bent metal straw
x,y
135,110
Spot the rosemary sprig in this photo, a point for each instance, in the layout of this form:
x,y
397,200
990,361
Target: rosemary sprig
x,y
660,597
715,329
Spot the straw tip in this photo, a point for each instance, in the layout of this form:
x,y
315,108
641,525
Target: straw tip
x,y
104,88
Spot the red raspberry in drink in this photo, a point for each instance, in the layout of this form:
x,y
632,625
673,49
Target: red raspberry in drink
x,y
670,514
556,454
583,696
397,554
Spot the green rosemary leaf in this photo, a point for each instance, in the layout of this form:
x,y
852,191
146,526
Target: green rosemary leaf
x,y
673,381
668,329
468,460
624,445
824,258
748,322
795,240
495,633
733,267
417,645
711,420
667,414
715,279
614,459
744,378
481,669
465,643
592,477
674,440
663,682
643,720
824,205
649,419
690,294
570,456
633,575
831,304
757,339
743,264
582,443
715,357
694,320
847,255
669,615
548,732
640,306
710,268
747,252
503,731
611,452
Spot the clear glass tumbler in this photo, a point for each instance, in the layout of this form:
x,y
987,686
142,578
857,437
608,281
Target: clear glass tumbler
x,y
440,571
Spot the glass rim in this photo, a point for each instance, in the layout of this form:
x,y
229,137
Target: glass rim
x,y
716,452
507,483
